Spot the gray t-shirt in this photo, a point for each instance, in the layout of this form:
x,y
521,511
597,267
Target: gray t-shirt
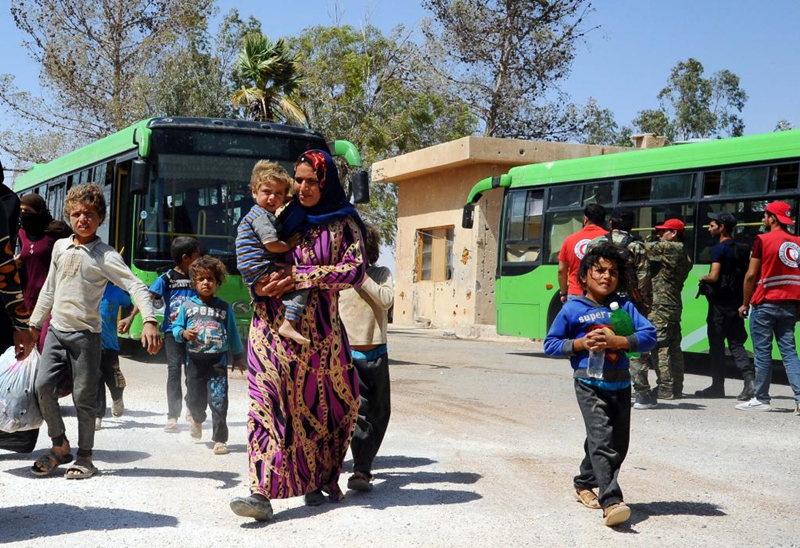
x,y
266,228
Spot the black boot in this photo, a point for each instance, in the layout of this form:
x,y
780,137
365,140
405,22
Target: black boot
x,y
716,390
749,389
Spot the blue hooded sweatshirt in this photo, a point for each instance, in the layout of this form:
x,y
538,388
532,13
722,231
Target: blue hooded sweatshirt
x,y
578,317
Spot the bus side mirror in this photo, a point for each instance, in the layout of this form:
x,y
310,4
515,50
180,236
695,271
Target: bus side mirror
x,y
138,177
467,217
359,185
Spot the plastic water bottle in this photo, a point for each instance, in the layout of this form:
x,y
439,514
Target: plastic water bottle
x,y
621,322
596,360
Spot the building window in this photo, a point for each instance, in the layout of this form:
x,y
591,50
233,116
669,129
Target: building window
x,y
434,254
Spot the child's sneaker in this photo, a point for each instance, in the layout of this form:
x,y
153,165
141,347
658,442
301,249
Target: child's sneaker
x,y
117,407
195,429
172,426
616,514
221,448
754,405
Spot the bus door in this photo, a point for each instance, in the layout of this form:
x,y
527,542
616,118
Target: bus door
x,y
123,206
517,288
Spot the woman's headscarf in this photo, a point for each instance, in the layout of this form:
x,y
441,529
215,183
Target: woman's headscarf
x,y
40,222
35,223
333,204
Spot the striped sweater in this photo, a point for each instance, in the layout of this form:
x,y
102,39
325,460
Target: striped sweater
x,y
252,258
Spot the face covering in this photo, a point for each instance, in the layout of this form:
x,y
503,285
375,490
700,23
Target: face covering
x,y
35,223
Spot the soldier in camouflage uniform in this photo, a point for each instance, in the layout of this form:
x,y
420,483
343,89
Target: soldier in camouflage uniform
x,y
638,264
669,266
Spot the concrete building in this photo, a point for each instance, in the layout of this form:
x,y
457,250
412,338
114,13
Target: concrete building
x,y
444,274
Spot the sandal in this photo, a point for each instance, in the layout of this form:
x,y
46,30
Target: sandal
x,y
48,462
587,497
221,448
252,507
360,481
82,469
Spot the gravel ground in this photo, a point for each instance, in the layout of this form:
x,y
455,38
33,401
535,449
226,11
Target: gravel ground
x,y
484,440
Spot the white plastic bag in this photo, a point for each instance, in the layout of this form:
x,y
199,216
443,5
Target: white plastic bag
x,y
19,409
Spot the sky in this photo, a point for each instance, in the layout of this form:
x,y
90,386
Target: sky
x,y
623,62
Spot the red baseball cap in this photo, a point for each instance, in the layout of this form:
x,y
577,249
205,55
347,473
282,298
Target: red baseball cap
x,y
672,224
782,211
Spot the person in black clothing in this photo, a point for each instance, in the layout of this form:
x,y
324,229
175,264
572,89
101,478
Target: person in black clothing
x,y
13,313
722,286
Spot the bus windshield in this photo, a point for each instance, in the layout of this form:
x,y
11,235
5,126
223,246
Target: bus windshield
x,y
200,187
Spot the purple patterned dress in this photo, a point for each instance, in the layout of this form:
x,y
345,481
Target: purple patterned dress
x,y
304,399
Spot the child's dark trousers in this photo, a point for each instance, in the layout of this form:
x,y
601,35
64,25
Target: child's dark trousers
x,y
607,416
207,385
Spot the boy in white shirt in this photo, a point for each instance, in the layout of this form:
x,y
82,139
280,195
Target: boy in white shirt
x,y
80,268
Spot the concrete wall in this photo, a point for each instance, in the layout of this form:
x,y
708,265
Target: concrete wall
x,y
432,187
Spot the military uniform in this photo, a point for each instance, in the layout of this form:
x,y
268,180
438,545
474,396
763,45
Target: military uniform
x,y
669,266
638,268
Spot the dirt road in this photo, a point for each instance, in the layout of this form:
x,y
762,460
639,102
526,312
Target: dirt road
x,y
484,440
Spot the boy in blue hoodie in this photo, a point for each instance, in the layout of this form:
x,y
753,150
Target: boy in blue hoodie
x,y
604,403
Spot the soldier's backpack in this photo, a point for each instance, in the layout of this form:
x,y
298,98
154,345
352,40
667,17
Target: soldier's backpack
x,y
633,288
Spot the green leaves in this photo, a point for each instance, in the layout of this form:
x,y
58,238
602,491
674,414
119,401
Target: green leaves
x,y
273,74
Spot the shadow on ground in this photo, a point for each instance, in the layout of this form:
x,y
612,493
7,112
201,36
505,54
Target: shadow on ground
x,y
228,480
643,510
395,487
24,523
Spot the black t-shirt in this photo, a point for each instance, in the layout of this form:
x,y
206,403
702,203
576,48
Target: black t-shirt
x,y
729,285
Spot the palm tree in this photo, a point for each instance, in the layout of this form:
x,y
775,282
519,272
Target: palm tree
x,y
273,74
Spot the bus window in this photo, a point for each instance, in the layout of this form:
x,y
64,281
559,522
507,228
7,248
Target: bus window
x,y
635,190
561,225
565,196
598,193
524,226
104,230
749,215
672,187
783,177
648,217
55,200
733,182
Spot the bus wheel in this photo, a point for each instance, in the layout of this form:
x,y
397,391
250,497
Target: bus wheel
x,y
553,309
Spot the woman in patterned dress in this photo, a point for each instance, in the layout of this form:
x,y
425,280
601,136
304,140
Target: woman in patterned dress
x,y
304,398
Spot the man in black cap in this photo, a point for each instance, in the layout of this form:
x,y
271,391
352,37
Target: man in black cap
x,y
722,286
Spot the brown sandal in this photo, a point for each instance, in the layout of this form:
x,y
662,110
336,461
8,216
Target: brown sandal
x,y
48,462
587,497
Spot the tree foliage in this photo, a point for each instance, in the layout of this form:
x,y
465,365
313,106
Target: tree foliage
x,y
270,76
378,92
104,65
502,57
693,106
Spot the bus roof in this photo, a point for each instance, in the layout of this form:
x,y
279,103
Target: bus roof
x,y
123,141
93,153
720,152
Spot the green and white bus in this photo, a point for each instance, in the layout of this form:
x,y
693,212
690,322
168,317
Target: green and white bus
x,y
543,204
166,177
